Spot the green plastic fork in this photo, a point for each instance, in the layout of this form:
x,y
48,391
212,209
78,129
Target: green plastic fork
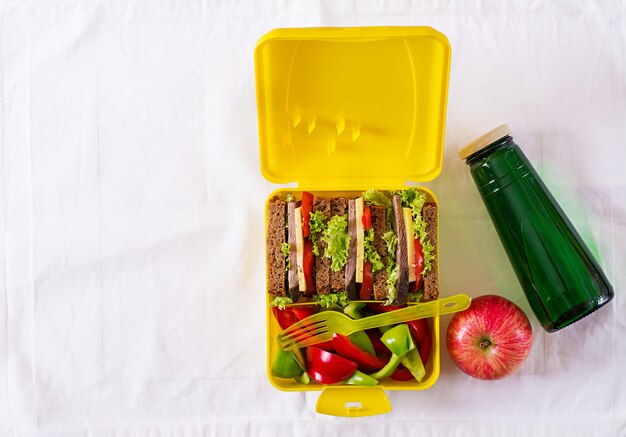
x,y
320,327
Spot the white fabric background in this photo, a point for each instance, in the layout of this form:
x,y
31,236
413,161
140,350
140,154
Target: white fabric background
x,y
131,293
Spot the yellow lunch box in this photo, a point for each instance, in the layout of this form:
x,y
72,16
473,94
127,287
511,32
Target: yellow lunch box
x,y
343,110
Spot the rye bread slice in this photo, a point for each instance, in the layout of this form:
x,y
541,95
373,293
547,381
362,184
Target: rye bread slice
x,y
350,276
275,260
322,264
402,285
338,206
431,278
379,226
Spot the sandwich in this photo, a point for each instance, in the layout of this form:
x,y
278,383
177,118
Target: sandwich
x,y
376,246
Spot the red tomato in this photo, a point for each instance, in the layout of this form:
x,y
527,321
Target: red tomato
x,y
307,207
368,281
419,265
367,218
308,260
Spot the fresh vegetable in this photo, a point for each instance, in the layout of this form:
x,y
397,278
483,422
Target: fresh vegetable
x,y
419,265
305,378
366,362
362,341
353,309
328,368
288,316
281,302
316,227
328,300
376,197
359,378
307,207
367,218
338,241
399,341
379,347
401,374
391,240
286,365
421,335
491,339
307,266
370,253
419,329
285,249
367,285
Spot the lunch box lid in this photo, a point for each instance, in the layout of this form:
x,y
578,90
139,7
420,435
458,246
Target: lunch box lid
x,y
352,107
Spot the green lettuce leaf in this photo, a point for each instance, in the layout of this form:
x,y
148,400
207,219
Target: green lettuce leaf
x,y
328,300
370,253
378,198
281,302
392,267
285,248
317,227
338,241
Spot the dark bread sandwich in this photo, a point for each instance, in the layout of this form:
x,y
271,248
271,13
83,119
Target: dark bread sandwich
x,y
376,246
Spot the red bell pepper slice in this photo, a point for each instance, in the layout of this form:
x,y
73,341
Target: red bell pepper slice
x,y
291,315
327,368
367,218
379,347
421,335
308,260
366,362
367,286
402,374
307,207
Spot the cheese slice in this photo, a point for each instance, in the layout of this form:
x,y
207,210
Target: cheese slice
x,y
360,239
300,249
410,244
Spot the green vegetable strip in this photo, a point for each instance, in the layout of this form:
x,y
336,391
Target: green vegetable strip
x,y
338,241
281,302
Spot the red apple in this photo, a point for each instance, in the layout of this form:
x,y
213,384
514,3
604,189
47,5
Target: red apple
x,y
491,339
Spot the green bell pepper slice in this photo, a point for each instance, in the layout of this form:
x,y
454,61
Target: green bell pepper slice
x,y
360,378
288,364
399,341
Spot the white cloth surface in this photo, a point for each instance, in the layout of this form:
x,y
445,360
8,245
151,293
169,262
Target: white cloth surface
x,y
132,288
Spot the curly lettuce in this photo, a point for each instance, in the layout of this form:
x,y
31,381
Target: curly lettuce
x,y
391,239
285,248
337,241
415,199
328,300
317,227
281,302
370,253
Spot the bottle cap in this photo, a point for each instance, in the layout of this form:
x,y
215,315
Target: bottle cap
x,y
480,143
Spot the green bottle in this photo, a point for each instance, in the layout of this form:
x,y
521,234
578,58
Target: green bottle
x,y
560,277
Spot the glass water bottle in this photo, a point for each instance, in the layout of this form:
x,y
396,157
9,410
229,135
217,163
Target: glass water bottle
x,y
559,275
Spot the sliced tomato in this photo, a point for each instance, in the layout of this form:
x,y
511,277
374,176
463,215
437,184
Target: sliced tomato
x,y
308,260
307,207
367,218
419,266
368,282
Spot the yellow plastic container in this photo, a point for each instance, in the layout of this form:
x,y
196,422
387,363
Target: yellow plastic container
x,y
343,110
